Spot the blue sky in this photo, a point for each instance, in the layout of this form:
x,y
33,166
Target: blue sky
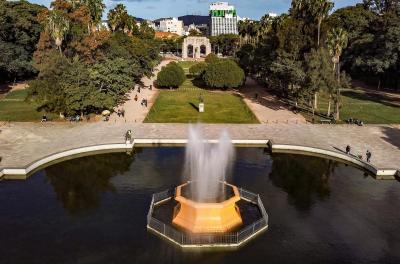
x,y
152,9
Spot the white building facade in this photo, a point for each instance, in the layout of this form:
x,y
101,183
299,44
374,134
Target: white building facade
x,y
172,25
223,19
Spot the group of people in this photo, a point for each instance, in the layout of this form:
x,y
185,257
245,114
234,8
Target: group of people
x,y
144,102
121,112
355,121
368,153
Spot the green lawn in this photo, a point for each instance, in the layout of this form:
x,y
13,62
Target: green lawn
x,y
180,106
369,107
186,65
14,107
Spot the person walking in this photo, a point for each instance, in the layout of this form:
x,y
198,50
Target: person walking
x,y
348,150
123,112
369,155
128,136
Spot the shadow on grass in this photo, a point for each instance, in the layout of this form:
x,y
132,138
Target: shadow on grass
x,y
373,97
194,106
199,83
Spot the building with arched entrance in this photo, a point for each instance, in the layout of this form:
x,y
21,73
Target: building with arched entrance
x,y
195,47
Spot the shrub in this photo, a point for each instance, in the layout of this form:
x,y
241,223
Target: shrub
x,y
198,69
171,75
224,74
211,58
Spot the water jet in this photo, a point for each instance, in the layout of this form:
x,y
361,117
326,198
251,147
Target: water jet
x,y
207,211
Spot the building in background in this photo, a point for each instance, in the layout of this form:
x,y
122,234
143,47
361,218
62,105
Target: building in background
x,y
223,19
172,25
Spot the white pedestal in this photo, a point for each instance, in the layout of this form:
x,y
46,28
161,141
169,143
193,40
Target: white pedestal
x,y
201,107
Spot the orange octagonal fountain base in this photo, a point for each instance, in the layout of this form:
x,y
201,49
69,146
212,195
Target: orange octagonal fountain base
x,y
198,217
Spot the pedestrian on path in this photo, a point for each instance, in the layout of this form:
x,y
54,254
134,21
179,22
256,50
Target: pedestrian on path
x,y
136,98
128,136
348,150
369,155
123,112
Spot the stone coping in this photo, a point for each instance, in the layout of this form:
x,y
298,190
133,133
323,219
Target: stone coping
x,y
25,170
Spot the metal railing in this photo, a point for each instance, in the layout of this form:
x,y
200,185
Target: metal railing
x,y
189,239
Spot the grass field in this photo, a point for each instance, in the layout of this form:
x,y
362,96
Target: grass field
x,y
371,108
181,105
14,107
186,65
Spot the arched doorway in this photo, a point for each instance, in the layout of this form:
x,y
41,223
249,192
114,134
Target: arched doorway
x,y
196,47
190,51
203,51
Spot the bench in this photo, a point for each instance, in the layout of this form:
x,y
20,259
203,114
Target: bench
x,y
326,121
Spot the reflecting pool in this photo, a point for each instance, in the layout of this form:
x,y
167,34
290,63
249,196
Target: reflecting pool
x,y
93,210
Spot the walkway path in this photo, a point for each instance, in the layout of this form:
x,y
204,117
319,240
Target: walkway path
x,y
267,108
134,111
23,143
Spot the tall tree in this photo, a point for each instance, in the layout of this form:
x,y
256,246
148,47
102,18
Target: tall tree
x,y
19,35
119,19
96,8
336,42
322,9
382,6
58,26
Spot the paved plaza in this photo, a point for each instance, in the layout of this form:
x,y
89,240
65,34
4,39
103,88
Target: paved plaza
x,y
267,108
134,110
23,143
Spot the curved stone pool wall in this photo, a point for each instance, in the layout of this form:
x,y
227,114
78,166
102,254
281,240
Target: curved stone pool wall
x,y
24,171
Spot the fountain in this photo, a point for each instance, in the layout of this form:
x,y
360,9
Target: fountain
x,y
207,204
206,210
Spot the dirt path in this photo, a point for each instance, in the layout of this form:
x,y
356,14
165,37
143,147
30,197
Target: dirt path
x,y
267,108
8,87
134,111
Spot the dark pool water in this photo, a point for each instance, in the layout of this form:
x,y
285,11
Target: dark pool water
x,y
93,210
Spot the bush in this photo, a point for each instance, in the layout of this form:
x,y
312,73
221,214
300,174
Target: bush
x,y
224,74
211,58
198,69
171,75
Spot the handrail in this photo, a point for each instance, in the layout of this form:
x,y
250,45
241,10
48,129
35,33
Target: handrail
x,y
188,239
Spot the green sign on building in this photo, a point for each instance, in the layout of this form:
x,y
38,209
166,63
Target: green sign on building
x,y
222,13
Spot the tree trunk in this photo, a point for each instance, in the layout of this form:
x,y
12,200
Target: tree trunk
x,y
316,100
337,110
329,106
379,83
319,30
338,93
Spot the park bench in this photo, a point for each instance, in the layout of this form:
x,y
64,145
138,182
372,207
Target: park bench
x,y
326,121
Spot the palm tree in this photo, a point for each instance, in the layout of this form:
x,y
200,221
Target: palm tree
x,y
116,17
336,42
265,25
96,8
322,9
58,26
243,30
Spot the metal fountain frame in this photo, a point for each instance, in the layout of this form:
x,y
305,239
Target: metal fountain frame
x,y
189,240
